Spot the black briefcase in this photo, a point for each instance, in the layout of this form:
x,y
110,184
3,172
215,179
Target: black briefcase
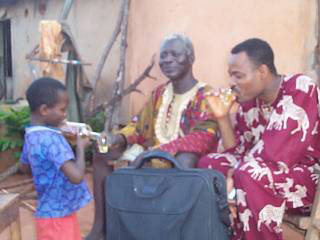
x,y
166,204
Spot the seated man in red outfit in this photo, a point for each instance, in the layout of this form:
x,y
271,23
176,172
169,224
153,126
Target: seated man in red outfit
x,y
274,147
177,119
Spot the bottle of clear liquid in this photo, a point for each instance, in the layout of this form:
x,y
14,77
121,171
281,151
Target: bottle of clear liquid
x,y
71,129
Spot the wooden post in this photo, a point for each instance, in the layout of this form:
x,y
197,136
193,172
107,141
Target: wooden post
x,y
9,214
51,41
15,231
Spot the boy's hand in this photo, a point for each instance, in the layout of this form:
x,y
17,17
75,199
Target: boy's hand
x,y
82,141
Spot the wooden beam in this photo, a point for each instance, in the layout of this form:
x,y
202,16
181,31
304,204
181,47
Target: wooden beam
x,y
17,184
9,214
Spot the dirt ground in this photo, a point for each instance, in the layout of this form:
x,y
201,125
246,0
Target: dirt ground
x,y
85,216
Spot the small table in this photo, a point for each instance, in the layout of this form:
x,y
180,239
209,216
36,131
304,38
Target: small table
x,y
9,214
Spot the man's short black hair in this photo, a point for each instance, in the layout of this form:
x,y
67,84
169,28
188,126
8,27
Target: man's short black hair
x,y
43,91
258,51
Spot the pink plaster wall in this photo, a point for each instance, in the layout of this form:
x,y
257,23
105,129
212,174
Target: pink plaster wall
x,y
215,27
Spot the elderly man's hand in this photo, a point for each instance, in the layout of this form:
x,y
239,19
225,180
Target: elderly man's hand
x,y
112,140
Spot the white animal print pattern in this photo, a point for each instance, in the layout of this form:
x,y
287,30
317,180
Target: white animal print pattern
x,y
295,112
270,214
304,83
258,172
256,132
232,161
251,116
257,148
241,198
292,196
244,218
275,121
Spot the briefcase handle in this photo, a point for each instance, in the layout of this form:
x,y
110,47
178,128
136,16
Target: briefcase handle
x,y
148,155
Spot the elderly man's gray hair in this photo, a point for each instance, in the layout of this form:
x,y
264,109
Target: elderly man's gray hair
x,y
186,42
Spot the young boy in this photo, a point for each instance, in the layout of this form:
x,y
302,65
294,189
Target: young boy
x,y
57,173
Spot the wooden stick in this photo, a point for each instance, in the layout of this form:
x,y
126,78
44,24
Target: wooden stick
x,y
59,61
131,88
105,54
112,113
33,52
17,184
12,170
28,206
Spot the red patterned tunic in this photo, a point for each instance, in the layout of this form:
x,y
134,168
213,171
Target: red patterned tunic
x,y
278,149
196,132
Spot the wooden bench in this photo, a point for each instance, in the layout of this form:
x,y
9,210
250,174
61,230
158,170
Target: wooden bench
x,y
9,214
310,224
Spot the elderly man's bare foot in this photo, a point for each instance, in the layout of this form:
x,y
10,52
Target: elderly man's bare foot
x,y
96,234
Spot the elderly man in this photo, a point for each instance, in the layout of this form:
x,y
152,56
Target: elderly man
x,y
176,119
275,146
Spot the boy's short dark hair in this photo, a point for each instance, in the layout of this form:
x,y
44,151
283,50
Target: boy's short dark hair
x,y
258,51
43,91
